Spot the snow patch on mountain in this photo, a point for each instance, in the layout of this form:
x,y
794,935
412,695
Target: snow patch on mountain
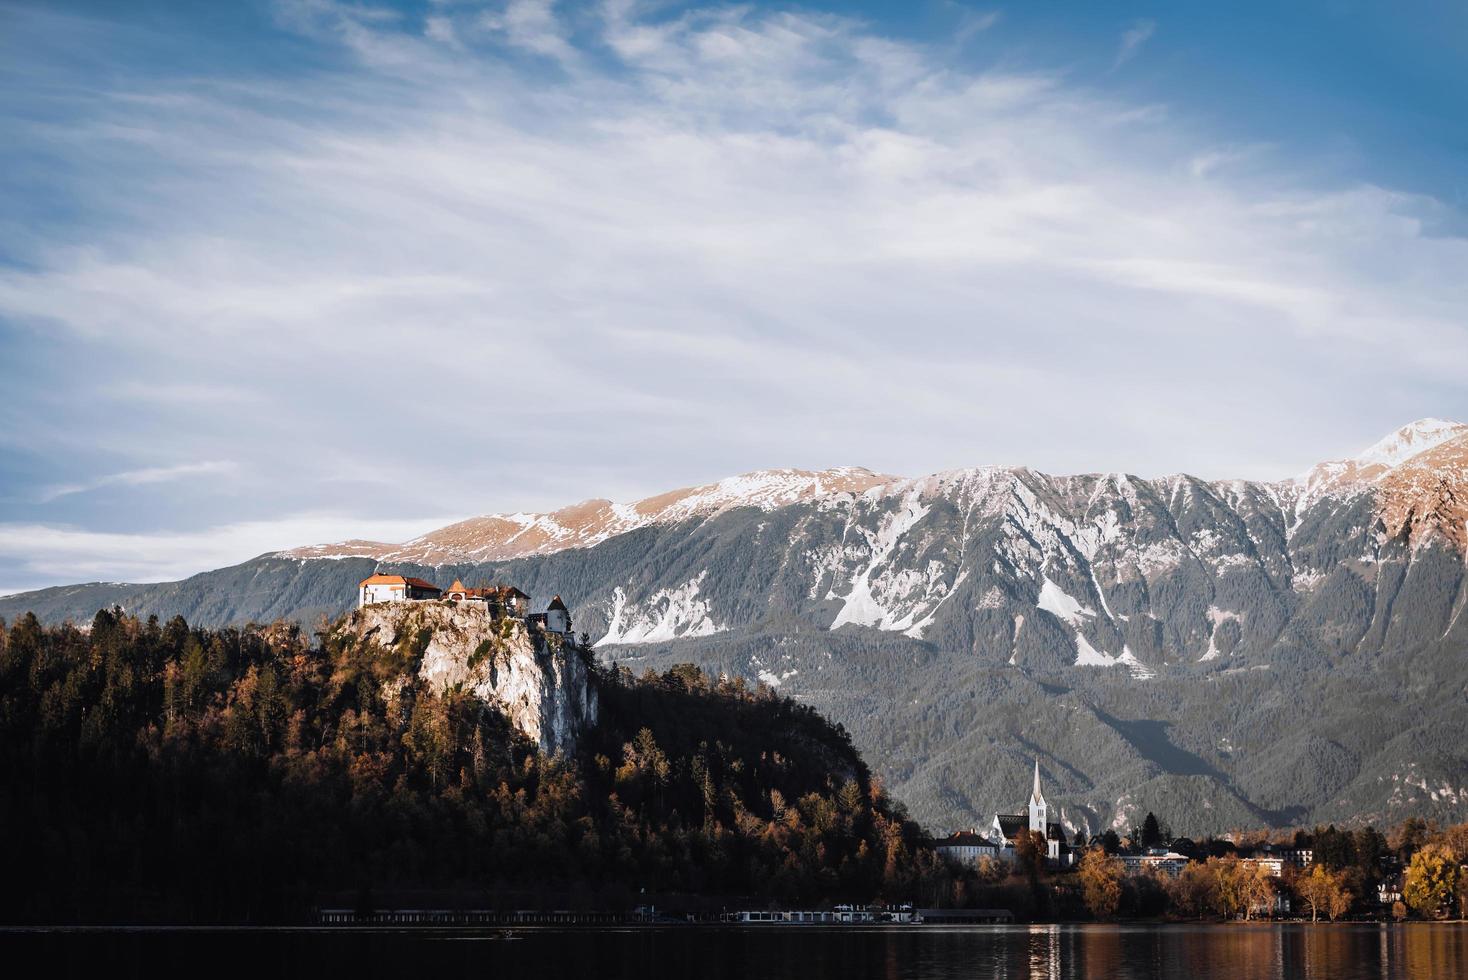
x,y
1089,656
775,680
917,629
1103,531
871,583
668,614
1060,604
1217,617
1057,602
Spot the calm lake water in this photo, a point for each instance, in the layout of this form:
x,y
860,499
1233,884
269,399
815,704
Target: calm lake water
x,y
1336,952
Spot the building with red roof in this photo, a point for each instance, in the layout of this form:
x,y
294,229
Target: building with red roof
x,y
394,588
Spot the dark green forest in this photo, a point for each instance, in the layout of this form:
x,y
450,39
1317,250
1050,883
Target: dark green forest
x,y
157,772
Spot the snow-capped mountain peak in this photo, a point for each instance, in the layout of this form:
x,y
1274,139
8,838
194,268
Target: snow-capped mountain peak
x,y
500,537
1376,464
1409,441
1400,469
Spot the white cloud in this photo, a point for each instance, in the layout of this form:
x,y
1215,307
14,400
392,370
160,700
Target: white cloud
x,y
441,29
1132,40
534,26
35,554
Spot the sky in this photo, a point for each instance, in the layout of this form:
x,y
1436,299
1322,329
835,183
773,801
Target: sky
x,y
277,273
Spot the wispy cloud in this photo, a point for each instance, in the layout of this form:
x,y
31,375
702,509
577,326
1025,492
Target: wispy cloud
x,y
972,22
1132,40
1214,159
142,477
533,26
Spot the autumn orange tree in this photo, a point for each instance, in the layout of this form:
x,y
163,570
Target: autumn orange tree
x,y
1324,890
1101,877
1431,881
1194,891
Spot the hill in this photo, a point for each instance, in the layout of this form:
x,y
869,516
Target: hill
x,y
161,773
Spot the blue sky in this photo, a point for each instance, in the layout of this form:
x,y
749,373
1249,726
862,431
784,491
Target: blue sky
x,y
295,271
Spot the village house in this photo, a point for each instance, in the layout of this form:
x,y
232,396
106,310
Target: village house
x,y
1157,860
1274,865
394,588
967,847
503,600
1294,857
1389,891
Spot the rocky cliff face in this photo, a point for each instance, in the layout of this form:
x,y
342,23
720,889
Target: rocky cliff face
x,y
542,687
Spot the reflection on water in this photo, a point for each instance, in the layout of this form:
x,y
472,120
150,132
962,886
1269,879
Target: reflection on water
x,y
1318,952
1326,952
1042,952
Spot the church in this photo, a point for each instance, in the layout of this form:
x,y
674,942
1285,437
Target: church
x,y
1007,827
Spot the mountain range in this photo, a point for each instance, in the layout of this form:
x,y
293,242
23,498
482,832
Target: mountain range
x,y
1225,653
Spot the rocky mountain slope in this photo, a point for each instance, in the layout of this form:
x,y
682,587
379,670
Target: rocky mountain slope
x,y
1233,651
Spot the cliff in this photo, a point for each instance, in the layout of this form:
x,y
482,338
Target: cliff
x,y
540,683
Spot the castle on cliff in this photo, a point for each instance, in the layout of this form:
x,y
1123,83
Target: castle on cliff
x,y
499,601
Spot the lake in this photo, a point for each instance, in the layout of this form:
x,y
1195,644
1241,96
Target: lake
x,y
1052,952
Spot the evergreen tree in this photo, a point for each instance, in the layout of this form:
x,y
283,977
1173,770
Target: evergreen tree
x,y
1151,832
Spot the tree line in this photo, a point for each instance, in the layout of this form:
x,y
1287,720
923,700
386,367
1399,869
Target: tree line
x,y
1226,878
158,772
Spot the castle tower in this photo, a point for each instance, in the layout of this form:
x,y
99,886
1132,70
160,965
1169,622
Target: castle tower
x,y
1039,811
557,616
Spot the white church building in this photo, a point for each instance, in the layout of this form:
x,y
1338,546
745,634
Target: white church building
x,y
1036,818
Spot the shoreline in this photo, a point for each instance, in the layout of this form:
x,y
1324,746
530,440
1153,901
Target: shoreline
x,y
759,927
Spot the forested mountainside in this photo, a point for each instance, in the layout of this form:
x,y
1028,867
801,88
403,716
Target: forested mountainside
x,y
158,772
1241,652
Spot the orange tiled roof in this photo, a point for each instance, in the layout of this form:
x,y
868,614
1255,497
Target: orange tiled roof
x,y
383,580
380,579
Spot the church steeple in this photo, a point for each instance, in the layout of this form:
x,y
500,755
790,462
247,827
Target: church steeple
x,y
1039,811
